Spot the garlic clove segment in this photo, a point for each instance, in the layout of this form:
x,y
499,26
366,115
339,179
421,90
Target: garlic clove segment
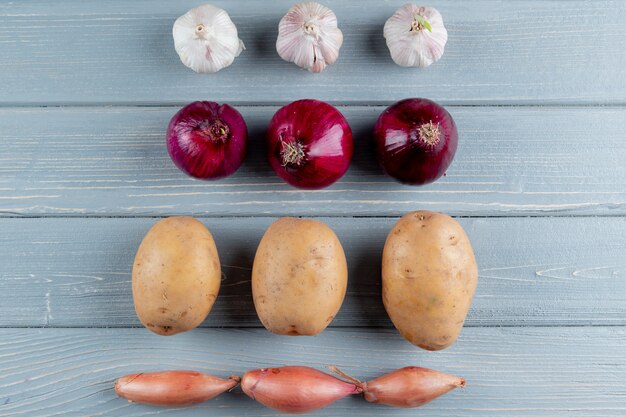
x,y
309,37
206,39
415,36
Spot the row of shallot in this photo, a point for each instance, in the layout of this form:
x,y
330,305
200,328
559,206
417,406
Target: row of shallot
x,y
292,389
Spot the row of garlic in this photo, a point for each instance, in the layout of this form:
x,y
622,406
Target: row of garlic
x,y
206,39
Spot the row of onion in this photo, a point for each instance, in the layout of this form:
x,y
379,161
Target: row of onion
x,y
309,142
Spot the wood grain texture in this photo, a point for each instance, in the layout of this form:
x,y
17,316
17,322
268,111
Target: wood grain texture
x,y
113,161
533,271
498,52
513,371
81,157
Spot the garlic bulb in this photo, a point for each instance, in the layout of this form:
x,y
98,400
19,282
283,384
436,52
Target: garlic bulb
x,y
309,37
415,36
206,39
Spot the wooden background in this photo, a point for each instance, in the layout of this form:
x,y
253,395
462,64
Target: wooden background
x,y
538,90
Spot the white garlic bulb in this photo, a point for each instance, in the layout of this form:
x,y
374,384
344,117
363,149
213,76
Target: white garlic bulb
x,y
415,36
206,39
309,37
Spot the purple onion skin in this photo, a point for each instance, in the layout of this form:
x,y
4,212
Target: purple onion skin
x,y
206,140
309,144
416,140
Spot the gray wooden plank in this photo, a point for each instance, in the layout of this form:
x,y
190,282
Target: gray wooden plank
x,y
510,161
499,52
75,272
519,372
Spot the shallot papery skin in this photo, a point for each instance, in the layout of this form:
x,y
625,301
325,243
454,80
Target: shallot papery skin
x,y
410,387
172,388
295,389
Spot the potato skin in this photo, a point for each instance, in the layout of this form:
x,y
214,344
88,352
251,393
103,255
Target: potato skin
x,y
176,276
429,278
299,277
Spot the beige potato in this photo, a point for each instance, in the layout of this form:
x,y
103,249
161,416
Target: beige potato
x,y
299,277
176,276
429,278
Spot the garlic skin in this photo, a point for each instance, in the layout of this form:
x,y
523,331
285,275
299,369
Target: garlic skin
x,y
415,36
206,39
309,37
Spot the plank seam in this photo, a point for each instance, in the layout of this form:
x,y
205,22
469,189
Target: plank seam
x,y
355,104
472,326
337,216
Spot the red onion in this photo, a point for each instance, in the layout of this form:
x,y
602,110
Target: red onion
x,y
309,144
416,140
207,140
295,389
172,388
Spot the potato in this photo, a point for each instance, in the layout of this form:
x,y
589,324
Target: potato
x,y
299,277
176,275
429,278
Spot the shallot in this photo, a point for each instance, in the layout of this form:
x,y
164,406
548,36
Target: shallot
x,y
406,387
411,386
295,389
172,388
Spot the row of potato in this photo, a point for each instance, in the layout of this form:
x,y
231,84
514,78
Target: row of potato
x,y
299,277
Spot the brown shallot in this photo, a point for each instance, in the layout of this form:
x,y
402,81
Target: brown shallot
x,y
172,388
